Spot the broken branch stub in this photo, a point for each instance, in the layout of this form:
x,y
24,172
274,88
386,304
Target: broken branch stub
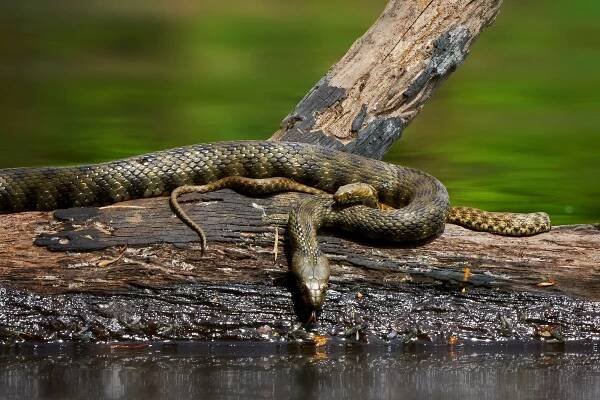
x,y
365,101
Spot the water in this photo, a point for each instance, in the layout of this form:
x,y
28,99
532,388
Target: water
x,y
268,371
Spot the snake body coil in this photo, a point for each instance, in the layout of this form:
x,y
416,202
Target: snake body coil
x,y
421,202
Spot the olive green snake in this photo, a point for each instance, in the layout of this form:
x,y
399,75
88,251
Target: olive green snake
x,y
419,202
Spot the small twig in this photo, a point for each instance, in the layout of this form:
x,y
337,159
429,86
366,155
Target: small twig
x,y
121,206
276,244
106,263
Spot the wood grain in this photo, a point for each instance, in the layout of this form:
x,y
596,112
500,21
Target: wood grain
x,y
468,282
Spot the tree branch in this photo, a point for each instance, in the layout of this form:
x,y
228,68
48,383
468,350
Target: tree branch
x,y
367,99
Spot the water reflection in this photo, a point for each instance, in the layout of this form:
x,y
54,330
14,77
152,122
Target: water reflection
x,y
266,371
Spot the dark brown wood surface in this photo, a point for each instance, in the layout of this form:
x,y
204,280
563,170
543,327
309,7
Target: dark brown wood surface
x,y
94,271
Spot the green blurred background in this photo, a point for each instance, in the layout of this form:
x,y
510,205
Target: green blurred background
x,y
515,128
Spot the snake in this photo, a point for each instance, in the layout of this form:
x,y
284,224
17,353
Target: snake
x,y
418,205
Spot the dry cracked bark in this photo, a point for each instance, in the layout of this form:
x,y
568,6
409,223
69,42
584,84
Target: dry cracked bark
x,y
365,101
133,271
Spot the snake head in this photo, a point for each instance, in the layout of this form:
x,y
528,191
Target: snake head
x,y
312,275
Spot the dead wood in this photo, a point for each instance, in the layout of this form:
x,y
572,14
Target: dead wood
x,y
367,99
133,271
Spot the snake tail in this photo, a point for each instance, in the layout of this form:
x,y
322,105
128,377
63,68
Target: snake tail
x,y
500,223
239,183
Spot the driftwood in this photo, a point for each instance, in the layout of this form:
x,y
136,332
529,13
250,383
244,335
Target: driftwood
x,y
146,278
367,99
134,271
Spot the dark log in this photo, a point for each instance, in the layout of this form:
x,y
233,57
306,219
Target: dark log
x,y
134,271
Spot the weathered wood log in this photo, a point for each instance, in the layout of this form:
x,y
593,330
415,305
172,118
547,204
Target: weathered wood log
x,y
367,99
134,271
146,278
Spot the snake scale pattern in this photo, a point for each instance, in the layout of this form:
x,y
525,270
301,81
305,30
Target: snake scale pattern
x,y
420,201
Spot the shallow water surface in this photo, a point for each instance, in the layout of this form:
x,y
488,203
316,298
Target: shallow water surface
x,y
268,371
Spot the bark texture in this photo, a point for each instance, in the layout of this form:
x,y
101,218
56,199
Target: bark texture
x,y
133,271
367,99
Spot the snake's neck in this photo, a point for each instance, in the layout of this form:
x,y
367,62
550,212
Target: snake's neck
x,y
309,265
